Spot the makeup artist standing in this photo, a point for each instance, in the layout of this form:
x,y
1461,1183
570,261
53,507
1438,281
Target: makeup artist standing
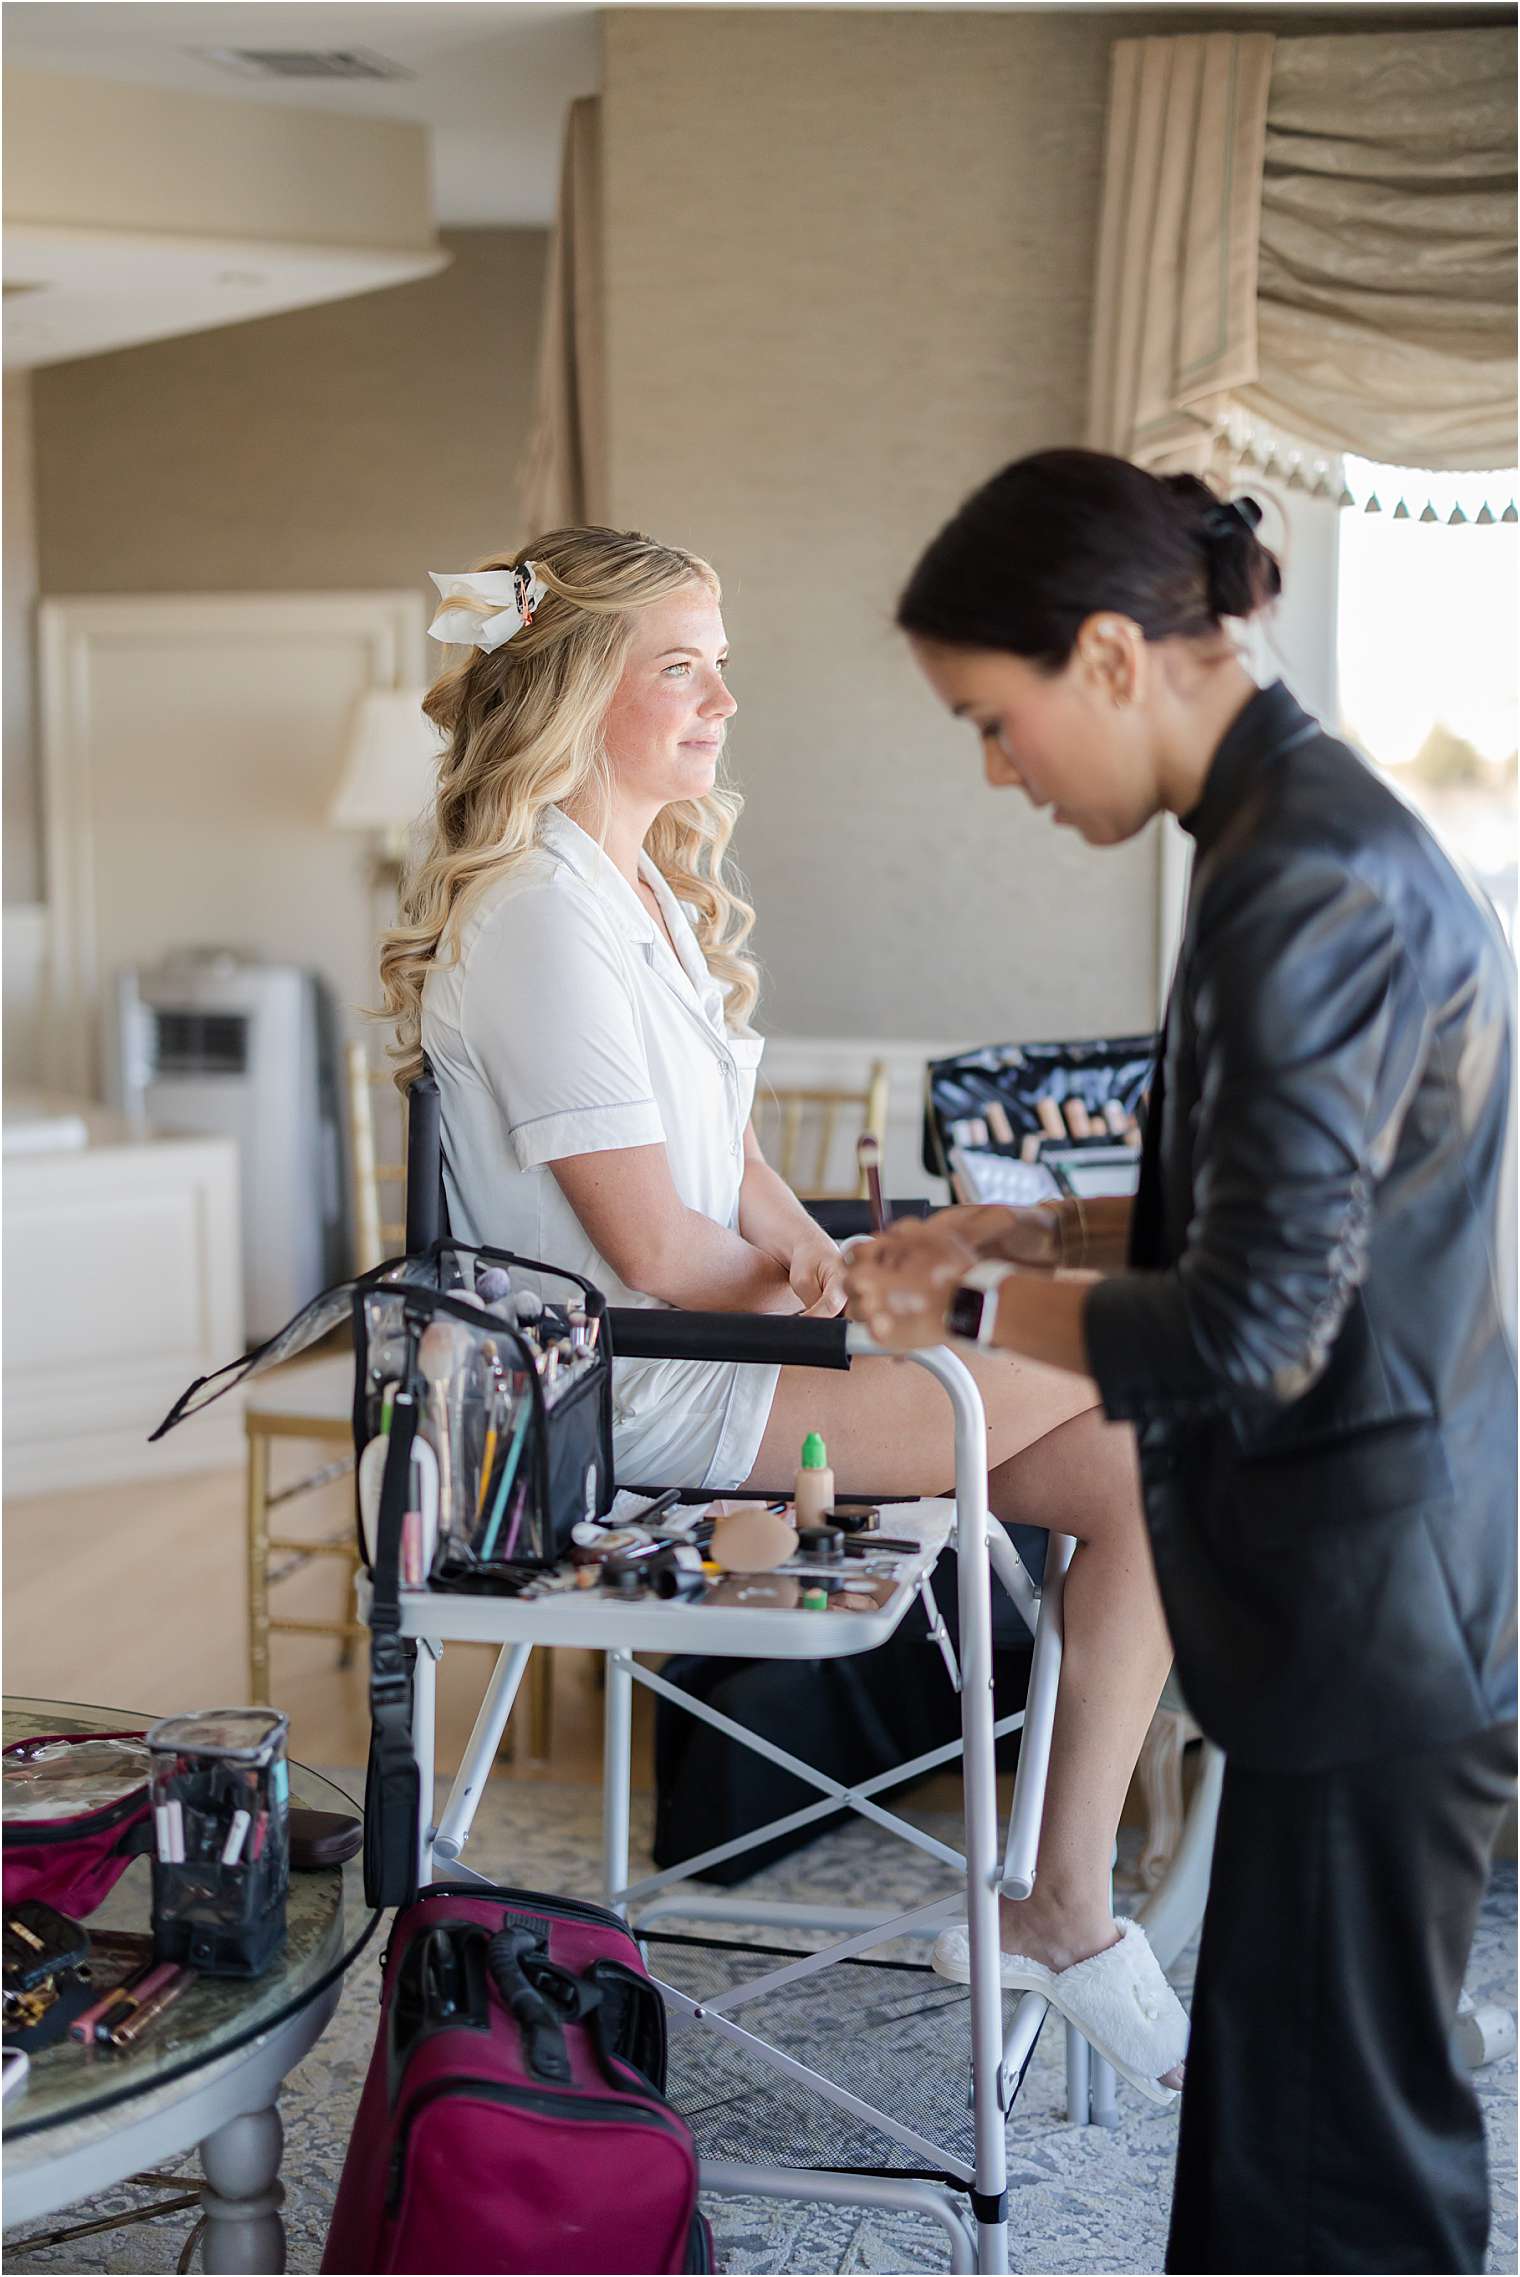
x,y
1304,1314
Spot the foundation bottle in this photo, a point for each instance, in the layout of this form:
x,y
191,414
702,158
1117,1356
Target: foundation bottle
x,y
815,1483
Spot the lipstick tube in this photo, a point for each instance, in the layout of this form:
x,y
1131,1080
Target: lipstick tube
x,y
147,2012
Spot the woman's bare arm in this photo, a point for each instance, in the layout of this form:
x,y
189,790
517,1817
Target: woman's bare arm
x,y
771,1216
626,1199
1090,1236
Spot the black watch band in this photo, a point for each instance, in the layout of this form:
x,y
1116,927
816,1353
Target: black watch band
x,y
972,1311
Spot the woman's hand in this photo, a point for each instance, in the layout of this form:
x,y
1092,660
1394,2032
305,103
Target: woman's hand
x,y
816,1271
1030,1237
900,1284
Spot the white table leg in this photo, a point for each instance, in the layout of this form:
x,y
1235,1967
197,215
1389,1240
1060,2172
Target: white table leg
x,y
617,1773
480,1752
989,2197
1104,2103
243,2195
1078,2079
1028,1812
424,1709
1482,2035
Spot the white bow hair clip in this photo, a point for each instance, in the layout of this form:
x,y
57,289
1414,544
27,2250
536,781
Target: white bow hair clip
x,y
513,594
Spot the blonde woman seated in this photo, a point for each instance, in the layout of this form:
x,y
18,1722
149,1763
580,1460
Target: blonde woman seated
x,y
571,959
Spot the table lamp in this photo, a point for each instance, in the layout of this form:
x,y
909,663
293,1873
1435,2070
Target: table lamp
x,y
389,760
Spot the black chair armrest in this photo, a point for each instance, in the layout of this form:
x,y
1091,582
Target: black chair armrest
x,y
840,1220
640,1332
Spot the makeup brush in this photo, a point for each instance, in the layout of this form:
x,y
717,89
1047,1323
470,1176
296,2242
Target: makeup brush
x,y
496,1401
508,1474
868,1156
387,1359
437,1361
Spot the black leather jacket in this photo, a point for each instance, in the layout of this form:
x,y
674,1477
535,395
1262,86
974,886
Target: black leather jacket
x,y
1315,1339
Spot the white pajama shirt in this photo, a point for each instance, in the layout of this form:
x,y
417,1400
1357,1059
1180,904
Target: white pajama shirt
x,y
566,1027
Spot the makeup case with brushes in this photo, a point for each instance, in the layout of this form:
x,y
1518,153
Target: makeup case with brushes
x,y
482,1416
505,1363
1020,1123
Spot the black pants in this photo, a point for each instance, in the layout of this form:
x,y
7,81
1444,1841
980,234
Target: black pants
x,y
1326,2124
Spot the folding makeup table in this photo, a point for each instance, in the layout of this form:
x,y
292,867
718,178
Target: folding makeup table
x,y
621,1629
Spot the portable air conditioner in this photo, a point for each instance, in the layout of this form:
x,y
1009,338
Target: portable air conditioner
x,y
219,1044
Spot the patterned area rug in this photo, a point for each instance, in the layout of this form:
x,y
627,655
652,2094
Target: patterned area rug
x,y
1083,2198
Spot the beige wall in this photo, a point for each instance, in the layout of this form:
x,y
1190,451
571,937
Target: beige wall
x,y
94,153
345,448
849,277
850,260
355,445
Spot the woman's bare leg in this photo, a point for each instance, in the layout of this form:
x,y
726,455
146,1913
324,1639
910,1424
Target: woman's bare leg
x,y
1082,1479
1053,1462
888,1425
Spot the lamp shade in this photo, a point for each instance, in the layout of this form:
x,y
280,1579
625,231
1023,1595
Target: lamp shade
x,y
389,761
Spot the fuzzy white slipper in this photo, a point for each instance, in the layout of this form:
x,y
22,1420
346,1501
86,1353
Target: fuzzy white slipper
x,y
1118,1999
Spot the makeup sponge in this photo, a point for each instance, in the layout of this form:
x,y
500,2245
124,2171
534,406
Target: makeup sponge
x,y
751,1540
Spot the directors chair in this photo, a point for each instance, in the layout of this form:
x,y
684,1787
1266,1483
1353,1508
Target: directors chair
x,y
960,2182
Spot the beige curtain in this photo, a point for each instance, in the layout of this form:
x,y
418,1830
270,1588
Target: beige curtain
x,y
1318,232
1175,318
1386,294
563,480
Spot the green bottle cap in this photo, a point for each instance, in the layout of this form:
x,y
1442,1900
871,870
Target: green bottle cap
x,y
815,1600
815,1455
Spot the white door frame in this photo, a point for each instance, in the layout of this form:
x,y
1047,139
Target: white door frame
x,y
71,633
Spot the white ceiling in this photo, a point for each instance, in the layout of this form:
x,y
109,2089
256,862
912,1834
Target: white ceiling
x,y
71,293
491,77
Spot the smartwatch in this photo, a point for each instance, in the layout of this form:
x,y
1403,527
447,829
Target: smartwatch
x,y
972,1311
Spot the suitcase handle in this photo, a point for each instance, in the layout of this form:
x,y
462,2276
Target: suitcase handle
x,y
542,1997
629,2026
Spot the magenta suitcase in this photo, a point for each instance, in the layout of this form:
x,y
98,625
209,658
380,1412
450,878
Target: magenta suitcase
x,y
514,2115
74,1859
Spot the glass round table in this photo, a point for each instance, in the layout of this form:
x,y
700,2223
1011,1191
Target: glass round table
x,y
210,2072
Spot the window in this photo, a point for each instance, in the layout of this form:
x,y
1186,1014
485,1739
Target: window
x,y
1426,614
1396,630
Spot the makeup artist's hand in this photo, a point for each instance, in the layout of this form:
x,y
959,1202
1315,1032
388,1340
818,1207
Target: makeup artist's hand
x,y
816,1272
900,1283
1030,1237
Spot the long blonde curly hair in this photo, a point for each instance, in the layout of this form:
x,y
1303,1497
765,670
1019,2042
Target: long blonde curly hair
x,y
525,725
